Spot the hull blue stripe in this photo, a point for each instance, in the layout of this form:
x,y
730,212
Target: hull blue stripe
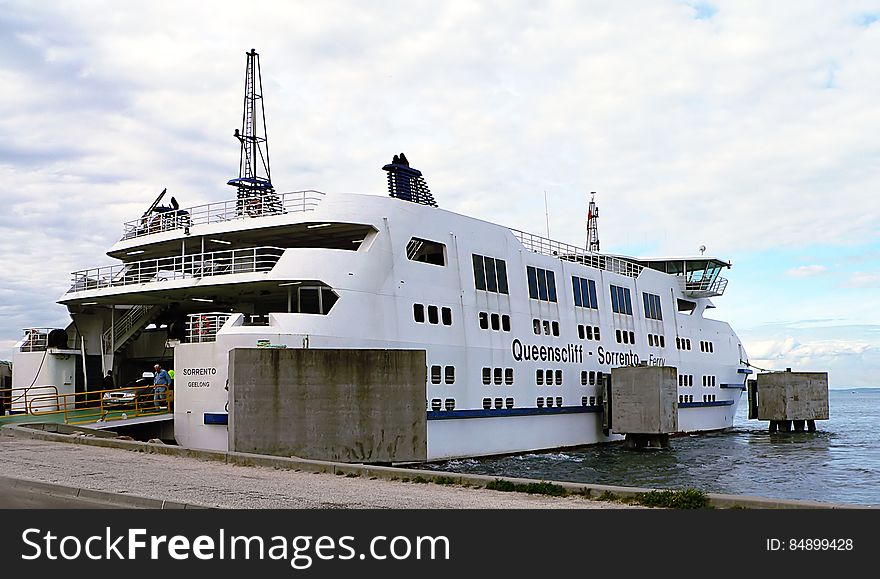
x,y
497,413
705,404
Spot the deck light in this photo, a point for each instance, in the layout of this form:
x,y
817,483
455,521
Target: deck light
x,y
202,300
289,283
221,241
317,225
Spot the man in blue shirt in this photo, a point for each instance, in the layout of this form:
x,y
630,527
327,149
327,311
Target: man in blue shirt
x,y
161,381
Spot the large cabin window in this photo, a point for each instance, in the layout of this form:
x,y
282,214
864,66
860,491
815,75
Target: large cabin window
x,y
313,300
542,284
621,302
426,251
490,274
584,292
652,306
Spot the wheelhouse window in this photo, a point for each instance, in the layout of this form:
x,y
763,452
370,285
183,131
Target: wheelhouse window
x,y
621,302
313,300
490,274
652,306
542,284
426,251
584,292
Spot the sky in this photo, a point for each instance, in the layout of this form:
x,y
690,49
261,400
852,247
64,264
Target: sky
x,y
751,128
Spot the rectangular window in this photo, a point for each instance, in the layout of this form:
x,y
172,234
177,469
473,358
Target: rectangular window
x,y
621,302
589,331
555,326
498,376
505,322
581,331
491,279
479,272
652,306
487,375
596,333
419,313
536,326
490,274
542,284
450,375
549,377
508,402
435,374
446,314
559,377
539,377
583,377
496,322
484,321
433,315
584,292
546,324
533,282
426,251
508,376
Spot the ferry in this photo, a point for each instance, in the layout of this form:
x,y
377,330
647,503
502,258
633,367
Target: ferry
x,y
520,331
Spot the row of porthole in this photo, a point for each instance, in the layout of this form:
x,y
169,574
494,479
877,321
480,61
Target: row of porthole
x,y
437,404
496,373
707,346
590,400
497,322
549,327
708,381
625,337
549,401
449,374
499,404
656,340
588,332
543,377
685,379
592,378
435,315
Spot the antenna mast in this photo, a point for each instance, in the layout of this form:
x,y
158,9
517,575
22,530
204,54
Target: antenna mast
x,y
254,182
593,225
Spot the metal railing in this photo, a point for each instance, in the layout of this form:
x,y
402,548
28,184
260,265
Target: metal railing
x,y
707,287
545,246
35,340
197,265
84,407
258,206
123,326
204,327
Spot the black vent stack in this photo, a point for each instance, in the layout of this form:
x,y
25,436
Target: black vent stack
x,y
407,183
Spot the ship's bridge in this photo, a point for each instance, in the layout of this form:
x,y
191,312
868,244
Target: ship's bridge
x,y
698,276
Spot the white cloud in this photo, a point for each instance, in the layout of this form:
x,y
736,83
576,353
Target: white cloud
x,y
727,128
864,279
807,271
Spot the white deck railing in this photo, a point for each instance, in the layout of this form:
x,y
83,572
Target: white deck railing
x,y
545,246
204,327
197,265
221,211
703,288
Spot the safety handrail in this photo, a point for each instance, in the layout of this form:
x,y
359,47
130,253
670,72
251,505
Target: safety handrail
x,y
228,210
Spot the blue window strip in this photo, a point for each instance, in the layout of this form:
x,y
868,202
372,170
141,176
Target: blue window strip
x,y
551,286
615,305
576,288
500,412
594,303
705,404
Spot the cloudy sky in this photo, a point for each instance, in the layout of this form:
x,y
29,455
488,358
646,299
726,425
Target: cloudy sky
x,y
752,128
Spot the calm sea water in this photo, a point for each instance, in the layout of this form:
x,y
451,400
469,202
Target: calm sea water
x,y
840,463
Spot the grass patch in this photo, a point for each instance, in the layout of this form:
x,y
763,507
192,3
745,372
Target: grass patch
x,y
352,475
684,499
533,488
421,480
444,480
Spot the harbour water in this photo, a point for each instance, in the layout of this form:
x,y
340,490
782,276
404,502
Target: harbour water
x,y
840,463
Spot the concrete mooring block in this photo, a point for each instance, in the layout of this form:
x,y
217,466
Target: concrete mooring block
x,y
344,405
792,396
644,401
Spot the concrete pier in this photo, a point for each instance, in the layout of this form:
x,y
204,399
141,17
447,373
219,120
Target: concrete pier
x,y
791,401
642,402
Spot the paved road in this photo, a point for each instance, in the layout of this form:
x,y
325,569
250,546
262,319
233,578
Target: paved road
x,y
19,498
219,485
